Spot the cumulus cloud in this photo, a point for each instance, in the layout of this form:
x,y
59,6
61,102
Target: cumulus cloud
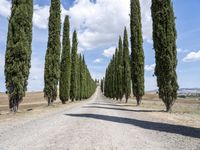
x,y
180,50
98,60
5,6
40,16
109,52
150,68
192,56
98,24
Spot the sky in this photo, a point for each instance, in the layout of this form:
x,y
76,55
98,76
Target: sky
x,y
99,24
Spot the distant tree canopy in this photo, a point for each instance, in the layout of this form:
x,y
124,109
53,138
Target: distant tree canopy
x,y
82,84
18,51
164,37
118,76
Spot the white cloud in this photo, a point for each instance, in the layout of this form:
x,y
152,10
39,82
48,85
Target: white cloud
x,y
192,56
109,52
150,68
40,16
180,50
5,6
99,24
98,60
146,20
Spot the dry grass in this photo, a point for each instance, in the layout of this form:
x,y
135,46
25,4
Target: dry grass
x,y
31,101
185,111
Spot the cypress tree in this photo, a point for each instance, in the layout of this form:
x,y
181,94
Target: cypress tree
x,y
78,91
116,68
80,77
73,89
18,51
120,69
83,81
164,37
137,53
65,69
102,85
127,69
52,59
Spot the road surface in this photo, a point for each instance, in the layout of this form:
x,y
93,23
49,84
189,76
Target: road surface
x,y
96,124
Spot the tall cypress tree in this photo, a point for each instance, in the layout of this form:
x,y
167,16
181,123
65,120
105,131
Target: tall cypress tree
x,y
65,69
52,59
78,91
127,69
18,51
120,69
117,77
137,53
73,89
164,37
102,80
81,77
83,81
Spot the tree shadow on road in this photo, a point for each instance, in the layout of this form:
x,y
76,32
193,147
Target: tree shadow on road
x,y
162,127
122,109
106,104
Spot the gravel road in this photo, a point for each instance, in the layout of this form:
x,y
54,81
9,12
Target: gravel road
x,y
97,124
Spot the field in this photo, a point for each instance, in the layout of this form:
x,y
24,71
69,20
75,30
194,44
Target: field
x,y
32,101
185,111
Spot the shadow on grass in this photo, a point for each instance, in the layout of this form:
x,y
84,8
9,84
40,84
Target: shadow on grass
x,y
162,127
122,109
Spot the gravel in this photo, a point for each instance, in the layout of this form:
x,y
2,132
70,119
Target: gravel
x,y
97,124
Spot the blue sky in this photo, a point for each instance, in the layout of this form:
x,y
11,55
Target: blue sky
x,y
99,23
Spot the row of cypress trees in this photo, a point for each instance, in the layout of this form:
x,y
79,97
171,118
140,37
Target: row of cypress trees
x,y
118,74
18,58
164,38
75,81
130,68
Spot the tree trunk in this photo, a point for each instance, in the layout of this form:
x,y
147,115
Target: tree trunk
x,y
49,101
126,98
168,108
138,98
15,105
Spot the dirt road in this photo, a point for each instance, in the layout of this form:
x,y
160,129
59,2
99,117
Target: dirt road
x,y
97,124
